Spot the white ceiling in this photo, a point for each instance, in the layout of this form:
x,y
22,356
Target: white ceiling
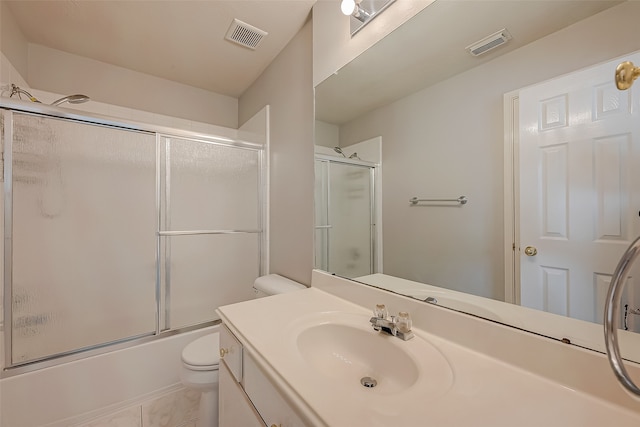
x,y
183,41
179,40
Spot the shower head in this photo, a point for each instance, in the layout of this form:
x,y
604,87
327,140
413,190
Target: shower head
x,y
354,156
71,99
339,151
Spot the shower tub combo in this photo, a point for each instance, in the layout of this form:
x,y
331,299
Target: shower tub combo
x,y
117,234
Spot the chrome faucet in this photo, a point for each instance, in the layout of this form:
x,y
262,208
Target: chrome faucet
x,y
398,326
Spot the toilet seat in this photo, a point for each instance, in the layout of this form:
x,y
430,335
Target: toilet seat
x,y
202,354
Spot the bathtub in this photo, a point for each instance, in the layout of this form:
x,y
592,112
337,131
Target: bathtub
x,y
85,389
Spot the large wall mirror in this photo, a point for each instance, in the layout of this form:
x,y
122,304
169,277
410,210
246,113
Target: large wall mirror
x,y
532,133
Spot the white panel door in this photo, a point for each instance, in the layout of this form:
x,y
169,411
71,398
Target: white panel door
x,y
579,183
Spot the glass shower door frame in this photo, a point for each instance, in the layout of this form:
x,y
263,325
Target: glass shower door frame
x,y
7,109
165,231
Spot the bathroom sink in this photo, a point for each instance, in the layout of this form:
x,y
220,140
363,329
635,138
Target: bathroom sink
x,y
344,352
347,353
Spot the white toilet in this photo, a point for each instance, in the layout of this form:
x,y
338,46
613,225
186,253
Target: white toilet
x,y
201,358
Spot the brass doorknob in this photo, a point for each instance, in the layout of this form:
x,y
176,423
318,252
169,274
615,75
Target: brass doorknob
x,y
626,73
530,251
223,351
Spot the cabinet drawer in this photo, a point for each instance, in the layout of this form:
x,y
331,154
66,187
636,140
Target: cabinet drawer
x,y
275,411
231,352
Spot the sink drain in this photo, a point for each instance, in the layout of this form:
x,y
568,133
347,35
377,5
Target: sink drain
x,y
368,382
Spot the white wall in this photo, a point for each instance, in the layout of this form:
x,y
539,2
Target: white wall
x,y
286,86
447,141
369,150
326,134
61,72
8,73
12,44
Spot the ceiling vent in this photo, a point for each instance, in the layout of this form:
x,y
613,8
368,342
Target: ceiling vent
x,y
489,42
244,34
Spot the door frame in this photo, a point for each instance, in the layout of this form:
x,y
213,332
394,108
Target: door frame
x,y
511,198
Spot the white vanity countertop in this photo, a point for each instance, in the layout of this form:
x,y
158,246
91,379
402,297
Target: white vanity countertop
x,y
485,391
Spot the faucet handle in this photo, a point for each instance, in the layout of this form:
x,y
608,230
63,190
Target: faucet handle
x,y
403,322
380,311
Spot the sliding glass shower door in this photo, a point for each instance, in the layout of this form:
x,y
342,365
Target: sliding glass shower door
x,y
115,234
83,222
210,230
344,212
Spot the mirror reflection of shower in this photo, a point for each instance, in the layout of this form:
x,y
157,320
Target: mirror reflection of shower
x,y
345,216
71,99
352,156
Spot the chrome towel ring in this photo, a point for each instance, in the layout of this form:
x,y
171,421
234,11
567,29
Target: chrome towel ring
x,y
612,315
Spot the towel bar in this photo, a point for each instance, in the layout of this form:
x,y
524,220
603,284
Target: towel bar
x,y
461,200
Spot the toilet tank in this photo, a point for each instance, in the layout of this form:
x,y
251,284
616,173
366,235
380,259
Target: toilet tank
x,y
274,284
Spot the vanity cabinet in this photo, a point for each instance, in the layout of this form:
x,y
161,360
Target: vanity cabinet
x,y
235,407
247,397
231,353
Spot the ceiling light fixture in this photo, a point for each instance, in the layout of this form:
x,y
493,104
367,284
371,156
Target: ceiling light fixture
x,y
361,12
348,7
